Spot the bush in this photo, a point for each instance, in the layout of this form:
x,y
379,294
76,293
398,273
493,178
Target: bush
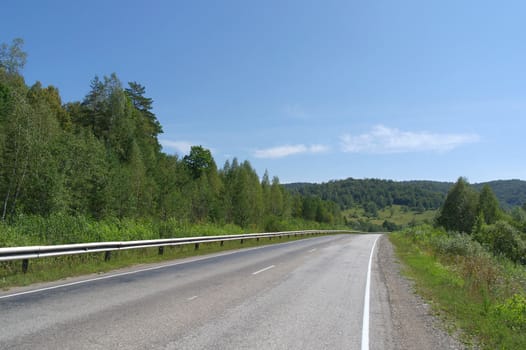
x,y
274,224
513,312
502,239
424,234
455,244
390,226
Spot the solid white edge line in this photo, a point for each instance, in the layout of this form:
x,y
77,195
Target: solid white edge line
x,y
263,270
138,271
366,301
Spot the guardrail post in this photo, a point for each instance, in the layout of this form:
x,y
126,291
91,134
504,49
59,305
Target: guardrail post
x,y
25,265
107,255
161,250
257,239
221,244
241,242
196,247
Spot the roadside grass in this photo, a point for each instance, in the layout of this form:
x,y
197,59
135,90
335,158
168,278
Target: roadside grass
x,y
57,268
474,292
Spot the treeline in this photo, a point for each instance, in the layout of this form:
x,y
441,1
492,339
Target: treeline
x,y
101,158
510,193
374,194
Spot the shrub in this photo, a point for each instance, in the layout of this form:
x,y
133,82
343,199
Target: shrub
x,y
513,312
503,239
456,244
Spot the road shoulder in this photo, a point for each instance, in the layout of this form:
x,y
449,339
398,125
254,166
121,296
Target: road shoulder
x,y
401,319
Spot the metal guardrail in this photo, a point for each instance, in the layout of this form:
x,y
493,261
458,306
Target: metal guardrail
x,y
34,252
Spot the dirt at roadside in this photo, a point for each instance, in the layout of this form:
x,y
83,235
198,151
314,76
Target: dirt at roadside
x,y
409,320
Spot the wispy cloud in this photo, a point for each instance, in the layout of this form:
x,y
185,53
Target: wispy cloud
x,y
381,140
182,147
289,150
295,111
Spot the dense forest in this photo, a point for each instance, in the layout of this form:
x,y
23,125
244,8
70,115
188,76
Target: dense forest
x,y
373,194
101,158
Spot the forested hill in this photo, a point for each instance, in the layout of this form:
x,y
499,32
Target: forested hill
x,y
419,195
510,193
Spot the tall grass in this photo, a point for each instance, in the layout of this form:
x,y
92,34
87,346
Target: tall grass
x,y
484,294
64,229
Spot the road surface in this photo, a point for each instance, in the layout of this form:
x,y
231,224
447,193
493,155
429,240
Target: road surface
x,y
306,294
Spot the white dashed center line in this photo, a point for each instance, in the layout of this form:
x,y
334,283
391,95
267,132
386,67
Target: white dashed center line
x,y
263,270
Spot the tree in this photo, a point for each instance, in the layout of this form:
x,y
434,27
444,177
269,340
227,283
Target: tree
x,y
144,105
12,57
460,208
198,161
29,176
488,205
108,112
242,194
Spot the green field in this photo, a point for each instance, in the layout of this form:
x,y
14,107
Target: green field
x,y
397,214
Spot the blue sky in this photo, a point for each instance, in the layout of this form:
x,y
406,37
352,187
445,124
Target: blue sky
x,y
310,90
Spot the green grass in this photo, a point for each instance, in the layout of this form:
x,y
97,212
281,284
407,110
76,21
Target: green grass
x,y
476,292
400,215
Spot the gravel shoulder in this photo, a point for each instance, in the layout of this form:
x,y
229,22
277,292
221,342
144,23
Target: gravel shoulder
x,y
401,319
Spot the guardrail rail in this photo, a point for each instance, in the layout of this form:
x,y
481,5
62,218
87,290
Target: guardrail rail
x,y
35,252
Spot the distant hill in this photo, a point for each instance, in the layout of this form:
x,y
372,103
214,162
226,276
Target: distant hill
x,y
373,194
509,192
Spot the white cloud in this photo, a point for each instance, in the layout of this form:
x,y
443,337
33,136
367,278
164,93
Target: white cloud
x,y
381,140
288,150
182,147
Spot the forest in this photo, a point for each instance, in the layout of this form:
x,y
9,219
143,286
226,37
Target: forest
x,y
100,159
373,194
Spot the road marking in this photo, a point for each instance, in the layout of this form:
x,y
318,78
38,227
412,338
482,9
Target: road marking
x,y
192,298
366,300
263,270
312,250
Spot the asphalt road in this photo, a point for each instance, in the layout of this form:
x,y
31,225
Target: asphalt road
x,y
306,294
